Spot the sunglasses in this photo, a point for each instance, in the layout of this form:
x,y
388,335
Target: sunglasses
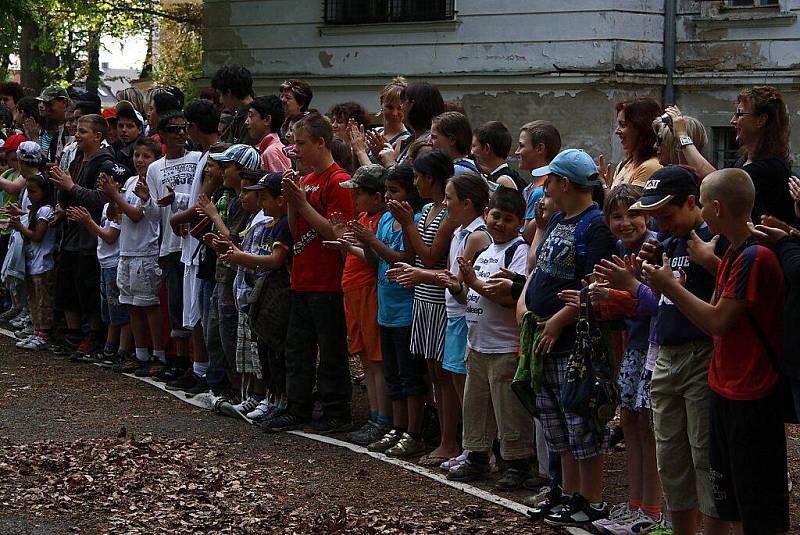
x,y
176,128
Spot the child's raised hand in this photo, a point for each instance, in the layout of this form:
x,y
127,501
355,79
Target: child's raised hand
x,y
141,189
338,224
13,210
649,250
205,206
447,279
291,188
231,254
61,179
660,277
208,238
396,270
702,252
540,220
401,211
571,298
167,199
503,273
107,185
466,270
375,141
616,275
361,232
78,214
355,136
15,223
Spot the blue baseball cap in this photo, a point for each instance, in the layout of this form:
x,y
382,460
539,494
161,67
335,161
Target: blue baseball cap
x,y
244,155
575,165
270,181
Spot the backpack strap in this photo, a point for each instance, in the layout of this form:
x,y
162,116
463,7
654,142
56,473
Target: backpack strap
x,y
583,227
469,164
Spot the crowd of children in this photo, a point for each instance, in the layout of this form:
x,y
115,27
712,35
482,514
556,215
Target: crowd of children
x,y
253,256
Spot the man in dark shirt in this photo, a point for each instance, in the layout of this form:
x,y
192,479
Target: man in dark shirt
x,y
234,85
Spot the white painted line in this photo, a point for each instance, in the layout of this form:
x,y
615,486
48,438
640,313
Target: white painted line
x,y
206,401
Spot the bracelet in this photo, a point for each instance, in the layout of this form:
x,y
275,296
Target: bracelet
x,y
460,289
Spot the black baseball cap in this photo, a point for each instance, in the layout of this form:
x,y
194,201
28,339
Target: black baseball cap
x,y
270,181
115,170
664,185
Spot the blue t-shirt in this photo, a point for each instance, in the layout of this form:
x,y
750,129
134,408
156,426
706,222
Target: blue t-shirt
x,y
638,326
559,266
673,328
260,239
394,301
532,195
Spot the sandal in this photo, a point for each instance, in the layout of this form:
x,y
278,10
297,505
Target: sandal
x,y
455,461
427,460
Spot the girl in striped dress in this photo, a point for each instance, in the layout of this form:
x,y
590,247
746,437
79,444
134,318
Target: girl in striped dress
x,y
430,241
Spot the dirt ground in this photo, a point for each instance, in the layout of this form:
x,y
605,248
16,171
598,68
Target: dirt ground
x,y
83,450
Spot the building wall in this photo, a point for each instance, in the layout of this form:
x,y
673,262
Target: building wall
x,y
519,60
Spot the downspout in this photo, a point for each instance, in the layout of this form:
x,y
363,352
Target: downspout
x,y
670,14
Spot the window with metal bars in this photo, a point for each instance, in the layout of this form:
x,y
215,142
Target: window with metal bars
x,y
726,148
381,11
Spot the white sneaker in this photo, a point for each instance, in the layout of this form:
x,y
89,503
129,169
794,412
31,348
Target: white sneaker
x,y
21,321
638,522
35,342
261,409
23,341
246,406
619,513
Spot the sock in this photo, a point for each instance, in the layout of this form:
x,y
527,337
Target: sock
x,y
415,436
653,511
142,354
373,415
383,421
200,368
635,504
159,354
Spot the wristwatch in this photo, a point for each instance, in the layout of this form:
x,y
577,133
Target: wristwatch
x,y
685,140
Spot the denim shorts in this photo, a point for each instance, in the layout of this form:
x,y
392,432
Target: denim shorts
x,y
111,310
455,345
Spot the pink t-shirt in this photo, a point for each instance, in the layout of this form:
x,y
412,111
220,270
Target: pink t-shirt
x,y
272,157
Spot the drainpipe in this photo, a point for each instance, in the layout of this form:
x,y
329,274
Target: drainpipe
x,y
670,13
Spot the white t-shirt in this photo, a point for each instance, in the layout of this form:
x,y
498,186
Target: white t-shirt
x,y
492,328
39,255
107,253
179,175
183,201
140,239
457,244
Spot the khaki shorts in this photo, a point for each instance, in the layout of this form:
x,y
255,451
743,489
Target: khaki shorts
x,y
492,409
139,280
681,400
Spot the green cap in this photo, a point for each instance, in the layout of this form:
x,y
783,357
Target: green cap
x,y
370,177
53,92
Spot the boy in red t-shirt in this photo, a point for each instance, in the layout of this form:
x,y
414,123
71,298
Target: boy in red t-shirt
x,y
316,322
360,286
745,319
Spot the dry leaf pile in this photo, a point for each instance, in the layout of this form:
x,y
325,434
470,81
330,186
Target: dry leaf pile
x,y
178,486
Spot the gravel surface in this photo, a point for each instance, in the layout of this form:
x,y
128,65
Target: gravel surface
x,y
83,450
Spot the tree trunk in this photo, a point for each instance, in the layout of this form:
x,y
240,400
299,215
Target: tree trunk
x,y
93,71
31,73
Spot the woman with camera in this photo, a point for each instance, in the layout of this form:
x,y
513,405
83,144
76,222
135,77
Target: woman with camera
x,y
761,122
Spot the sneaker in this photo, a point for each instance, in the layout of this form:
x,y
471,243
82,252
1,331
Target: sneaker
x,y
512,479
246,406
468,472
283,421
264,406
129,365
535,482
327,425
82,351
168,373
618,513
369,433
35,343
184,382
200,386
406,447
22,319
455,462
24,333
66,345
9,314
636,522
22,341
554,502
150,368
386,441
578,512
662,527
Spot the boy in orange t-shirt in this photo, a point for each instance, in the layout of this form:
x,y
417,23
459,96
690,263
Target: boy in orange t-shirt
x,y
360,287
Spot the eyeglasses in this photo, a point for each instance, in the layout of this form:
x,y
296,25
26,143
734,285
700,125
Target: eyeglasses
x,y
176,128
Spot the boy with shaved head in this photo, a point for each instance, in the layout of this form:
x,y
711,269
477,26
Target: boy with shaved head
x,y
745,319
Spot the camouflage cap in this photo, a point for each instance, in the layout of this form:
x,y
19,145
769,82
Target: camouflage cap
x,y
52,92
371,177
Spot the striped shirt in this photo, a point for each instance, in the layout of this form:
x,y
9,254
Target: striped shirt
x,y
429,293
